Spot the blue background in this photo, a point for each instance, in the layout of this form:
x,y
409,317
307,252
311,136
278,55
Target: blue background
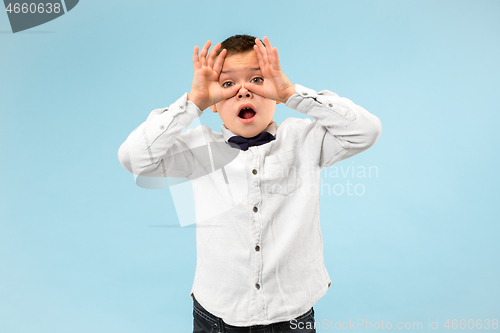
x,y
83,249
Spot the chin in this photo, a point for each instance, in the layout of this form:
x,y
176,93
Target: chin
x,y
247,134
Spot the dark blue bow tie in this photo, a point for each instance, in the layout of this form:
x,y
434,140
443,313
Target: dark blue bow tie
x,y
243,143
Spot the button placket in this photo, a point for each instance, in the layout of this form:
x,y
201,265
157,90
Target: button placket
x,y
254,185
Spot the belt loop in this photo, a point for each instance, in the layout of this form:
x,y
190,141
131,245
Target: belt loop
x,y
221,325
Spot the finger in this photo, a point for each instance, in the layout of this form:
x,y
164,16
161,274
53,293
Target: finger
x,y
254,88
211,55
276,59
231,92
256,48
259,57
269,48
220,61
203,53
196,61
259,45
262,51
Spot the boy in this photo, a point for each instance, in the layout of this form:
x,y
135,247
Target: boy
x,y
262,269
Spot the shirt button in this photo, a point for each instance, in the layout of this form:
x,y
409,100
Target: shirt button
x,y
257,286
257,248
162,127
254,171
305,93
255,209
181,107
330,105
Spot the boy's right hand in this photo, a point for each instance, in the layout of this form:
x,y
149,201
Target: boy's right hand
x,y
206,89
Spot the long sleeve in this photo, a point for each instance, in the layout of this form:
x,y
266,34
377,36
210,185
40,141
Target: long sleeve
x,y
147,149
342,128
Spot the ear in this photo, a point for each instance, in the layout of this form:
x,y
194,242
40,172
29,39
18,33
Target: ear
x,y
213,108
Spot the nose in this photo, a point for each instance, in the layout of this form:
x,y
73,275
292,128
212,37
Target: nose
x,y
243,92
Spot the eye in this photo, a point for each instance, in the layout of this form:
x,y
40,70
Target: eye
x,y
257,80
227,84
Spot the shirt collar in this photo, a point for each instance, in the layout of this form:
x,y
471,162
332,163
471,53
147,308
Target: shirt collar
x,y
226,133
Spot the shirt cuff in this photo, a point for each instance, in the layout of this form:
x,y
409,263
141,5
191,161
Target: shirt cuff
x,y
307,101
182,110
184,105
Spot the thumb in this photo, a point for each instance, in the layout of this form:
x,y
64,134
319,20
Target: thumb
x,y
230,92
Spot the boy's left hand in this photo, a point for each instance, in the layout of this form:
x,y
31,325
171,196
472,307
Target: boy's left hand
x,y
276,85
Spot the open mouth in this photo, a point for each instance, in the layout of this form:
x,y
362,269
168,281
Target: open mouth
x,y
246,113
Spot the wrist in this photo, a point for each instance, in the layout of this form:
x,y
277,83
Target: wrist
x,y
197,101
290,91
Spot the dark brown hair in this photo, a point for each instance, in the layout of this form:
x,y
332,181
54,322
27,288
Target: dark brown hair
x,y
237,44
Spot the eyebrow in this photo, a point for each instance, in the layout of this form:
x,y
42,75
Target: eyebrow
x,y
252,69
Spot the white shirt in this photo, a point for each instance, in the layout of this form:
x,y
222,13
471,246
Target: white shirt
x,y
260,251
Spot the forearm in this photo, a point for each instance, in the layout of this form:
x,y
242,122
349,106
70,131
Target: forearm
x,y
147,145
351,124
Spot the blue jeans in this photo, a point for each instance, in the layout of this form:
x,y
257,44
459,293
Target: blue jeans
x,y
205,322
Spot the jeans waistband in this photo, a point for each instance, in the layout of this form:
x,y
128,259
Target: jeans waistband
x,y
216,320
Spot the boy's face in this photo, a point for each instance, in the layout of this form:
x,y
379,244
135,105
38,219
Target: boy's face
x,y
245,114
